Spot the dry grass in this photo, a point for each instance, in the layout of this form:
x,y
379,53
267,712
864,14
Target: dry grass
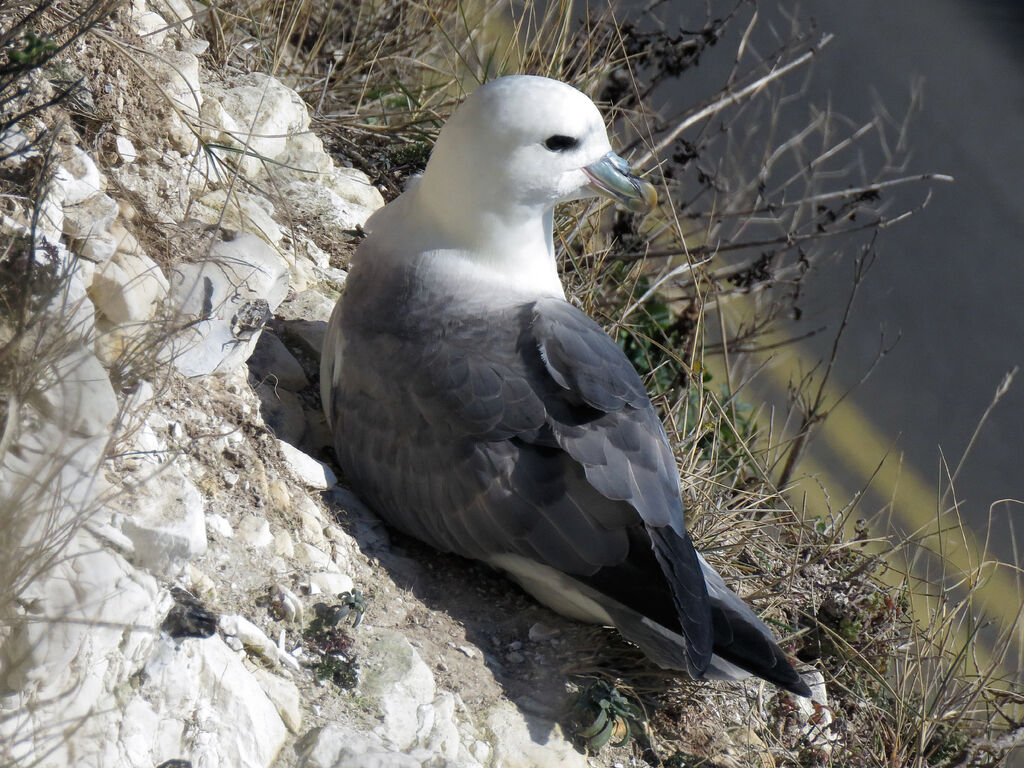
x,y
748,214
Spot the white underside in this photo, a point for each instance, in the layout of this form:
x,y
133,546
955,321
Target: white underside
x,y
553,588
562,594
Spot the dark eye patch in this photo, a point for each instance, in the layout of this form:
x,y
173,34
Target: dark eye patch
x,y
559,143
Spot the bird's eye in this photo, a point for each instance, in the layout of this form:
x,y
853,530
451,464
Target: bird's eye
x,y
558,143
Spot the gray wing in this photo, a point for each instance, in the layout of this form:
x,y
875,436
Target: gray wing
x,y
525,432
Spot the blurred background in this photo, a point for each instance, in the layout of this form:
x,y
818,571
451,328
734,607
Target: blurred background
x,y
947,285
938,321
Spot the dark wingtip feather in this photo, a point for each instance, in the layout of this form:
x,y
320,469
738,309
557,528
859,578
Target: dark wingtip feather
x,y
799,687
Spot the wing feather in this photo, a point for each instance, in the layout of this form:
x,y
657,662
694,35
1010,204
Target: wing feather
x,y
525,433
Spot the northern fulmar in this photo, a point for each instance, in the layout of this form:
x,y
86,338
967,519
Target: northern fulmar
x,y
477,410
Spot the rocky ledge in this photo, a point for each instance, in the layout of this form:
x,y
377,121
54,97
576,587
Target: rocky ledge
x,y
218,599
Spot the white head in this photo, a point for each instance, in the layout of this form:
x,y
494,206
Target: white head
x,y
516,147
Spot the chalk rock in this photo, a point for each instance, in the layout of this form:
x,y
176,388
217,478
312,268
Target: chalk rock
x,y
309,200
75,394
253,638
515,747
239,210
164,518
399,683
129,288
85,608
177,75
313,473
97,249
311,554
418,729
333,745
125,149
219,525
307,305
255,114
353,185
164,187
16,147
331,584
90,217
284,694
199,703
815,715
81,178
179,12
229,297
150,26
91,624
255,531
271,361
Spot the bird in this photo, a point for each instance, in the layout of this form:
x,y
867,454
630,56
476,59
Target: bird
x,y
474,408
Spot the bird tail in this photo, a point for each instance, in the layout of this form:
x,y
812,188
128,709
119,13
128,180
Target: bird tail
x,y
743,644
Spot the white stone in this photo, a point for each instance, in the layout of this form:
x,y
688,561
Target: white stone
x,y
310,521
180,12
252,637
442,736
397,680
227,297
219,525
240,211
92,624
177,76
125,149
148,447
150,26
129,288
313,473
814,714
255,113
164,518
353,185
481,751
16,146
90,217
514,747
255,531
111,537
202,585
211,709
307,305
82,179
284,694
97,248
331,583
334,746
283,545
285,604
76,395
338,216
310,554
304,158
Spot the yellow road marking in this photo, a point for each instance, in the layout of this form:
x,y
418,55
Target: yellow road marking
x,y
854,439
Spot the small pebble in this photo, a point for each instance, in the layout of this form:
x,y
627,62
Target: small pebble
x,y
541,632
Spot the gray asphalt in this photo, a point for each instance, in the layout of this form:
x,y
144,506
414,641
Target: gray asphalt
x,y
949,280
